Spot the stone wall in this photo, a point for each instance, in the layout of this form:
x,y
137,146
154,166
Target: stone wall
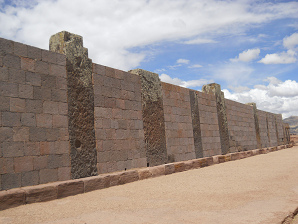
x,y
118,120
63,117
209,125
241,125
33,110
178,123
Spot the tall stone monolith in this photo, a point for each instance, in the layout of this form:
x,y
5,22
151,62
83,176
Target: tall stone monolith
x,y
80,103
196,124
257,126
153,117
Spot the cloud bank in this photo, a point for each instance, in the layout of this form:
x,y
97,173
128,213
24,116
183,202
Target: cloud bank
x,y
112,28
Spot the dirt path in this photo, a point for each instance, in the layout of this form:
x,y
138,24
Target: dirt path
x,y
259,189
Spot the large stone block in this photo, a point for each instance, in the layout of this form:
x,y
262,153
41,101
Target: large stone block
x,y
153,116
40,193
11,198
69,188
80,98
96,183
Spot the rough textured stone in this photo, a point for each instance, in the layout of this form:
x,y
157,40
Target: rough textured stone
x,y
257,126
45,192
157,170
215,89
80,103
11,198
195,116
96,183
144,174
153,117
128,177
70,188
179,167
169,168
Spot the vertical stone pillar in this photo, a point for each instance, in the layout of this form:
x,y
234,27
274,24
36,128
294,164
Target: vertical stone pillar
x,y
276,128
153,117
287,137
257,126
268,130
195,116
80,103
215,89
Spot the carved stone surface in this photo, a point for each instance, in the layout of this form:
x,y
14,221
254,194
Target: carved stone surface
x,y
215,89
195,116
153,117
80,103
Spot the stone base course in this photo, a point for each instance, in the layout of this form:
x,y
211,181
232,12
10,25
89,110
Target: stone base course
x,y
46,192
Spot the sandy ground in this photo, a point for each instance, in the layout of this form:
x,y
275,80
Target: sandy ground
x,y
259,189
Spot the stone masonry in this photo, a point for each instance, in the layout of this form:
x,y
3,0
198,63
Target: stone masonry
x,y
80,103
63,117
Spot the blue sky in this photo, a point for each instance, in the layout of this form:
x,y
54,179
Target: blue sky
x,y
249,47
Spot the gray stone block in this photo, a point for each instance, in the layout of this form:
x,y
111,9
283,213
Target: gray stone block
x,y
37,134
20,49
34,53
30,178
12,61
34,106
11,119
4,74
12,149
11,180
6,46
9,89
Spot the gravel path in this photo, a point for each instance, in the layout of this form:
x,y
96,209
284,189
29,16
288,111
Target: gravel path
x,y
258,189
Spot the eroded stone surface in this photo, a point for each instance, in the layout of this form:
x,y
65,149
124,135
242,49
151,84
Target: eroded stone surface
x,y
195,116
153,117
80,103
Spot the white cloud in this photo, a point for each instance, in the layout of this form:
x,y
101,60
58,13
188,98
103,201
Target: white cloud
x,y
234,74
182,61
239,89
247,55
187,84
195,66
277,96
285,57
112,27
200,41
291,41
280,58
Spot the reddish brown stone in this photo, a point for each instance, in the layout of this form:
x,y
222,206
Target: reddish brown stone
x,y
44,192
203,162
157,170
69,188
144,173
188,165
128,176
169,168
234,156
196,163
242,155
179,167
209,161
249,153
227,158
11,198
221,158
96,183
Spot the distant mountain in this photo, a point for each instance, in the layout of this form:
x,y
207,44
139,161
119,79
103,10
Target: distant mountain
x,y
293,122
